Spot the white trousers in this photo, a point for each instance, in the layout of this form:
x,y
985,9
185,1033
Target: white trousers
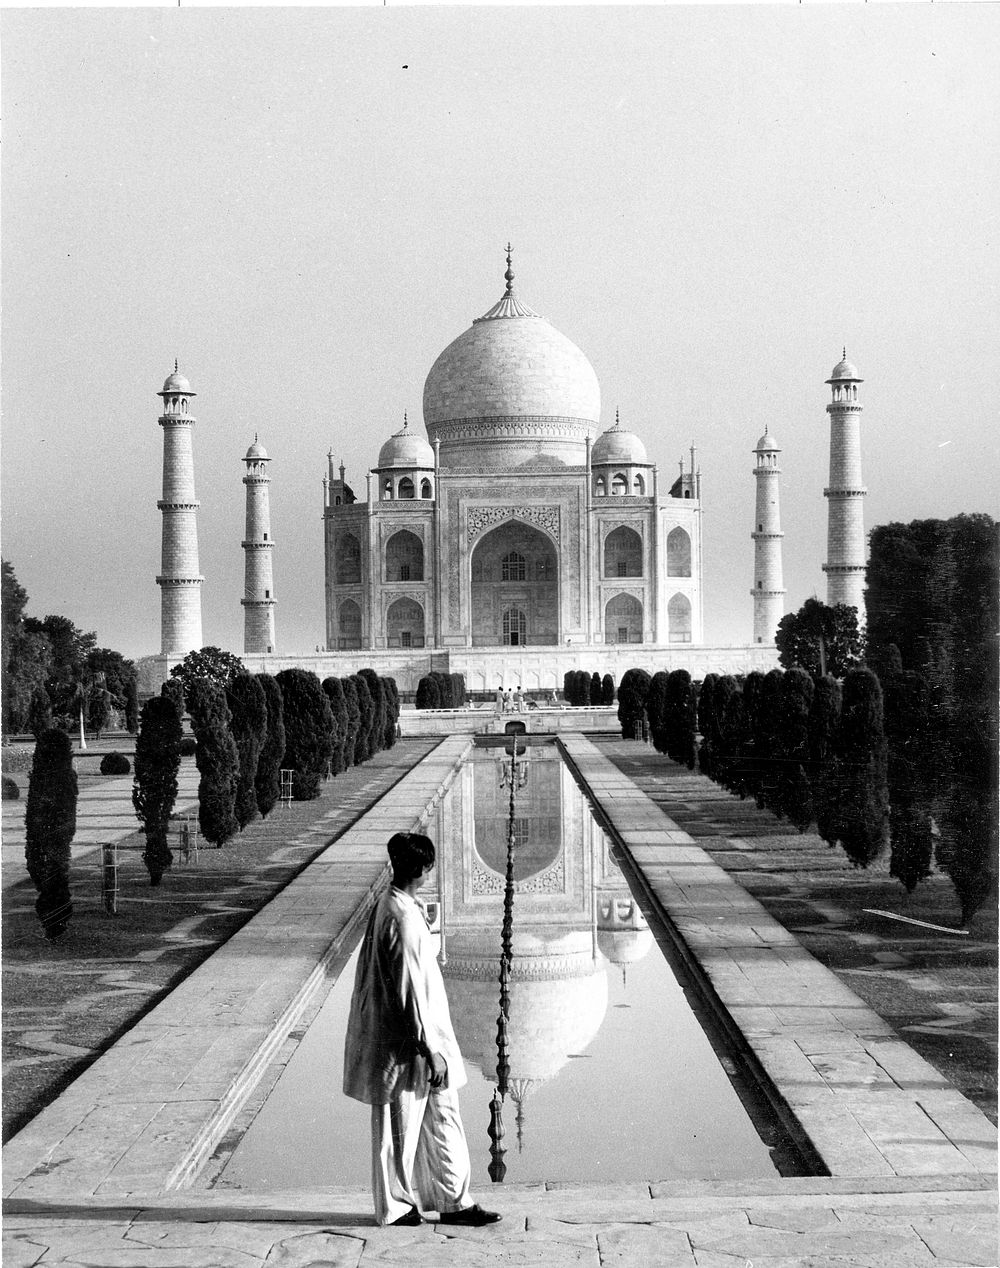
x,y
419,1155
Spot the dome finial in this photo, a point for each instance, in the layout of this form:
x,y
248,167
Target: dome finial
x,y
406,421
509,275
175,365
616,418
845,352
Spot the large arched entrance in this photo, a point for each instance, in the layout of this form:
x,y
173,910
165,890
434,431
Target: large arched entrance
x,y
515,588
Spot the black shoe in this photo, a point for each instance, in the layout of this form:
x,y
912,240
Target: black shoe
x,y
408,1220
472,1215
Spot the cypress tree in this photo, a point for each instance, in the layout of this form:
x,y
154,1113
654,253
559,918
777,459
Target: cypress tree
x,y
49,828
751,763
607,690
910,775
680,714
248,710
391,692
825,768
794,794
656,710
308,724
864,809
334,689
366,709
217,760
632,692
724,756
767,740
131,706
173,689
594,689
354,719
733,740
706,722
428,693
568,686
154,782
267,785
376,728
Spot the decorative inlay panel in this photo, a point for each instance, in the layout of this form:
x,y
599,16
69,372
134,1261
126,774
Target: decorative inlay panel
x,y
481,518
486,883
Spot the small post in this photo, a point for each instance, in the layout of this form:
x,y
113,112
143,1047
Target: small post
x,y
109,878
497,1168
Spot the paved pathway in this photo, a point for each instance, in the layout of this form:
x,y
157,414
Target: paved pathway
x,y
104,1175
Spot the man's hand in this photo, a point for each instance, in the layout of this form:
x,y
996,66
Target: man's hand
x,y
439,1070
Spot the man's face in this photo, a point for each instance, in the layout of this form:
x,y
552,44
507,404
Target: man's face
x,y
428,868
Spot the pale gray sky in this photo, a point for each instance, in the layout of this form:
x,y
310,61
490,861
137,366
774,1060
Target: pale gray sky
x,y
304,206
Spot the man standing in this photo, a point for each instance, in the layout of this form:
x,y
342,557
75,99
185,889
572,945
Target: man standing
x,y
401,1056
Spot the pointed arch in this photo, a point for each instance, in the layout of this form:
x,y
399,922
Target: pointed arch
x,y
623,553
679,619
404,557
678,553
348,560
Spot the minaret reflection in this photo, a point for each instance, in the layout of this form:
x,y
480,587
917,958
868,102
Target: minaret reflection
x,y
573,912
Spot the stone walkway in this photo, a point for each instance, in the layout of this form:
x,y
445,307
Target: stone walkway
x,y
104,1176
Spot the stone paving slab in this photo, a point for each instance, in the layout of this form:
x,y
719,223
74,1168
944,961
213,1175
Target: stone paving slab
x,y
915,1224
145,1115
820,1046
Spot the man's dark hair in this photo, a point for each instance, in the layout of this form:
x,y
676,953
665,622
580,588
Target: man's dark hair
x,y
409,854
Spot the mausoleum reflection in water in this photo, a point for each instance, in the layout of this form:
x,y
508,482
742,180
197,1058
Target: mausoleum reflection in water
x,y
611,1075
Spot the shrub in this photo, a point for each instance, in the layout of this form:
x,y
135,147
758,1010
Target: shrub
x,y
189,746
632,692
734,737
594,689
308,723
725,754
334,689
767,740
49,826
131,706
568,686
267,784
11,792
366,709
248,710
607,690
707,723
115,764
911,779
217,759
173,689
154,785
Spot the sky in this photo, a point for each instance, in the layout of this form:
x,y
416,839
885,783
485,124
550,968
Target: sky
x,y
304,206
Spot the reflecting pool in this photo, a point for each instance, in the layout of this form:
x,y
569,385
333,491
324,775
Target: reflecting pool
x,y
612,1077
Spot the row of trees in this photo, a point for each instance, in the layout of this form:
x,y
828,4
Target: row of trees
x,y
441,691
55,674
250,727
583,689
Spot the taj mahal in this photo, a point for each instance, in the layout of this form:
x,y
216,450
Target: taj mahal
x,y
517,538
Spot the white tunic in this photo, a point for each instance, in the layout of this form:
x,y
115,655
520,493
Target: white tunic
x,y
399,1009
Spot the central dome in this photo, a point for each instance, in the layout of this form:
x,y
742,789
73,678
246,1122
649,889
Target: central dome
x,y
511,391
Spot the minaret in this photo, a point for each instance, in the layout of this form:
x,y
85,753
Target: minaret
x,y
258,599
768,585
179,579
845,549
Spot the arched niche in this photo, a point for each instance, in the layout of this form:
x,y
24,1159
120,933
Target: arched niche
x,y
404,557
514,566
623,553
623,619
404,624
348,560
348,625
678,553
406,489
679,619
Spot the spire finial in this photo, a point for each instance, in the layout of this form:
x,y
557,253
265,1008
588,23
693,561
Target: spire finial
x,y
175,365
616,416
406,421
509,275
845,351
255,438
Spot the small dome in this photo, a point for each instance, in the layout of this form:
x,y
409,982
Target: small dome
x,y
767,443
619,446
624,946
176,383
845,370
257,450
406,449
